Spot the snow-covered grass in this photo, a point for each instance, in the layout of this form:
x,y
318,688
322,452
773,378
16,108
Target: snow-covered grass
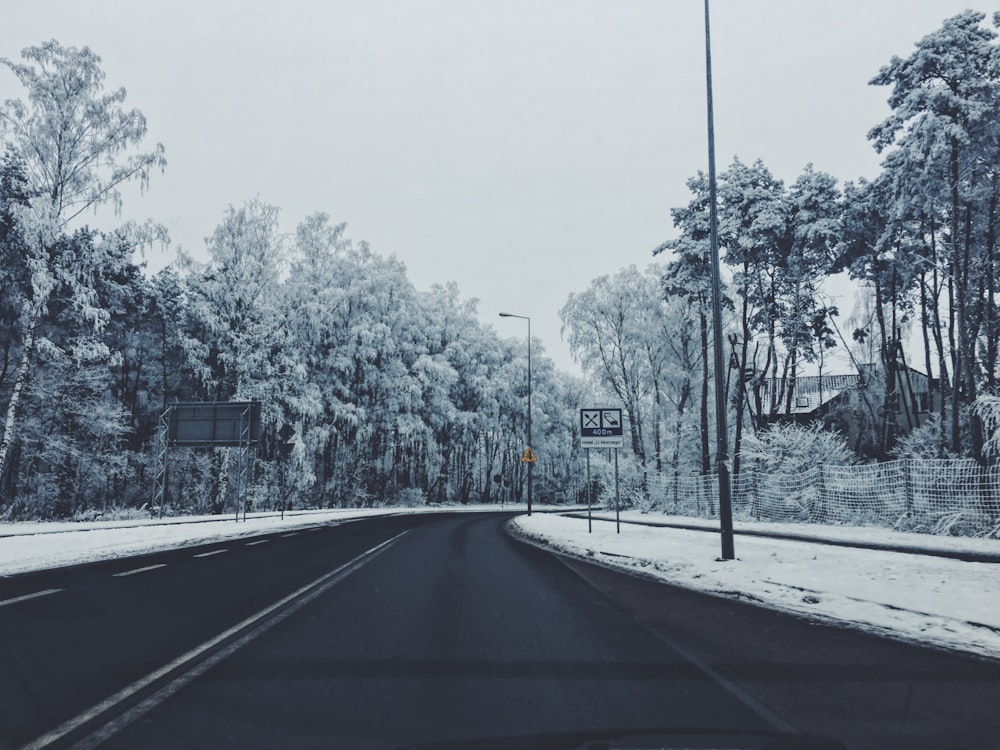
x,y
946,603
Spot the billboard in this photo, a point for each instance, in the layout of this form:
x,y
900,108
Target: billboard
x,y
214,423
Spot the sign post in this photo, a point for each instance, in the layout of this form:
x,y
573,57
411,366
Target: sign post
x,y
590,498
602,428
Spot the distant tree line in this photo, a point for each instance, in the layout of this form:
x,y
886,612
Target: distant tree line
x,y
385,394
390,394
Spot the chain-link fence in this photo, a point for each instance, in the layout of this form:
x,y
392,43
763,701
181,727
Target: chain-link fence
x,y
958,497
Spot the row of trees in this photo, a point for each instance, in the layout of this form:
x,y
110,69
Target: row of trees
x,y
383,393
920,240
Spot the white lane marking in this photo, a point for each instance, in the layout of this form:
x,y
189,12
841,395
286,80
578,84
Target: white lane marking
x,y
139,570
293,533
197,661
213,552
26,597
259,541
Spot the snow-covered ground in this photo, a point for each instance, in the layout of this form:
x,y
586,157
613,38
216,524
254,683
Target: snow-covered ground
x,y
944,602
947,603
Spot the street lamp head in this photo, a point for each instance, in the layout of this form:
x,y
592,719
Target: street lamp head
x,y
512,315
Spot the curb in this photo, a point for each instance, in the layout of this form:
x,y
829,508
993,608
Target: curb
x,y
963,555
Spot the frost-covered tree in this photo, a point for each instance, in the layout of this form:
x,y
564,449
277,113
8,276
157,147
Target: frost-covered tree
x,y
233,335
232,301
605,328
75,425
941,141
688,276
77,146
752,221
813,233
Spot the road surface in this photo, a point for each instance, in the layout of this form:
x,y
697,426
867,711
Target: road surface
x,y
431,631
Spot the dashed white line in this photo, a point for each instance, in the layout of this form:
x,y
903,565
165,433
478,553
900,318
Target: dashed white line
x,y
213,552
259,541
26,597
139,570
292,533
196,662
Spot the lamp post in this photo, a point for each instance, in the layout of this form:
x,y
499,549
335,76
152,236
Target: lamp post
x,y
531,464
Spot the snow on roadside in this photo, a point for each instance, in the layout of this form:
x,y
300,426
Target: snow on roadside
x,y
26,547
946,603
875,535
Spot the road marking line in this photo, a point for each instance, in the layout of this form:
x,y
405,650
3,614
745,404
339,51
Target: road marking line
x,y
26,597
213,552
259,541
198,660
293,533
138,570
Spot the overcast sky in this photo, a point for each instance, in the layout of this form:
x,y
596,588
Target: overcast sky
x,y
518,148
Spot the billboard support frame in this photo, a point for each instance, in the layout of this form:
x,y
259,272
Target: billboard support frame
x,y
214,424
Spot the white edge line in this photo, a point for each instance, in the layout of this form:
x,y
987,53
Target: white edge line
x,y
110,702
209,554
138,570
26,597
259,541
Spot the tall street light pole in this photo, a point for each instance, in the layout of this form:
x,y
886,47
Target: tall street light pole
x,y
722,457
531,464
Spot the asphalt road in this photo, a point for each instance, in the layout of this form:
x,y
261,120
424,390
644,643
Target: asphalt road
x,y
445,632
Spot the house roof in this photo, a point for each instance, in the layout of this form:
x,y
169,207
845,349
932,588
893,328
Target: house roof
x,y
811,391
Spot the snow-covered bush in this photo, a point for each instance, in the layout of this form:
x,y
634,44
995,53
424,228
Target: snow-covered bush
x,y
987,408
794,449
782,466
925,441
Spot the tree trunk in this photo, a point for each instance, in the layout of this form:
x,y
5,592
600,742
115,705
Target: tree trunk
x,y
959,364
991,327
741,389
20,379
938,334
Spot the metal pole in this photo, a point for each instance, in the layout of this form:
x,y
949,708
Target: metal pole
x,y
722,457
531,464
590,499
618,499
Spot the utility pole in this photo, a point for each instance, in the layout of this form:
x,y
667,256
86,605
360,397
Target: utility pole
x,y
722,454
531,464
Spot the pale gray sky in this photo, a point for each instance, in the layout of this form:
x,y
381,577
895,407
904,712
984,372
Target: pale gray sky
x,y
519,148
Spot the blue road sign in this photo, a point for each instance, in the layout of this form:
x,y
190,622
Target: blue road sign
x,y
601,428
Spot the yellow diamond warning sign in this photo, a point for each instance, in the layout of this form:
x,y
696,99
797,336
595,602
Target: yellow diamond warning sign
x,y
529,457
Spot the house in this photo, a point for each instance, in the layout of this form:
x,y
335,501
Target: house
x,y
851,402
